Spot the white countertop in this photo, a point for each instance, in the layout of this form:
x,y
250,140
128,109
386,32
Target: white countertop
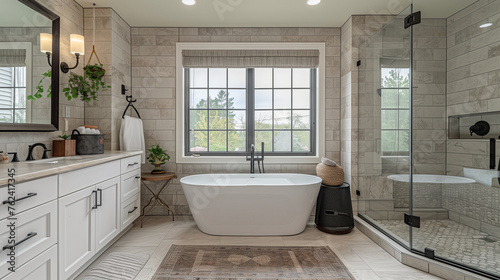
x,y
30,170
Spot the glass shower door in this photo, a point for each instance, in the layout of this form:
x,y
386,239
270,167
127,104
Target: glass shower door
x,y
384,128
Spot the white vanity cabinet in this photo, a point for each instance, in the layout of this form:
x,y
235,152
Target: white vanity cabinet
x,y
88,218
65,219
35,225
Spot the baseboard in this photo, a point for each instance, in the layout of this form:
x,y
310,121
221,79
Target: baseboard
x,y
409,258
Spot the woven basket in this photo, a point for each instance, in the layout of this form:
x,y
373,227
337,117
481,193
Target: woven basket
x,y
331,175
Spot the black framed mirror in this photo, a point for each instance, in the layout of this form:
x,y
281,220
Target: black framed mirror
x,y
24,69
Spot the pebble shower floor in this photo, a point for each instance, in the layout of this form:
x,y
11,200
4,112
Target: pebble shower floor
x,y
453,241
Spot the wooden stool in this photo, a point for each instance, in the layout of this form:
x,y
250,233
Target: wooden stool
x,y
167,177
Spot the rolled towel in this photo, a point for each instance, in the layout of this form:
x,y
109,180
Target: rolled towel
x,y
93,131
87,131
81,129
328,162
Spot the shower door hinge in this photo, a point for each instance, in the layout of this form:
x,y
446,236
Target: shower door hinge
x,y
413,19
358,63
358,192
429,253
412,221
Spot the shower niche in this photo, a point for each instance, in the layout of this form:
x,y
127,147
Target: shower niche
x,y
474,126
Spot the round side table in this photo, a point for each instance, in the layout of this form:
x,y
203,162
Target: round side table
x,y
167,177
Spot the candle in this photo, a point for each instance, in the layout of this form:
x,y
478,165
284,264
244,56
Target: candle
x,y
46,43
77,44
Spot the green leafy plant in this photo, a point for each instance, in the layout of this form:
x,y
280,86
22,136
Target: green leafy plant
x,y
157,155
40,89
64,136
86,87
94,72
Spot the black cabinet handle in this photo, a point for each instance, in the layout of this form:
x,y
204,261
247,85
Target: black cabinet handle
x,y
19,199
132,164
30,235
100,197
132,211
95,196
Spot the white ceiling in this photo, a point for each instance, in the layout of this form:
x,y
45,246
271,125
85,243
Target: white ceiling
x,y
264,13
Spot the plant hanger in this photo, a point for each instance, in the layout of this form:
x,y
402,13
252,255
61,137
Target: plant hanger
x,y
93,40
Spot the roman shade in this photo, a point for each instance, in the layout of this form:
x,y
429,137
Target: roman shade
x,y
12,57
250,58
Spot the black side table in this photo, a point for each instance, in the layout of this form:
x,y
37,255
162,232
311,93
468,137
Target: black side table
x,y
334,209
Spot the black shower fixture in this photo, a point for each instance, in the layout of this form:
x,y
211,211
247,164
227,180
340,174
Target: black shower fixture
x,y
481,128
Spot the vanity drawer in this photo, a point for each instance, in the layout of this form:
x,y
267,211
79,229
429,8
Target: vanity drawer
x,y
130,184
131,210
29,194
130,163
43,267
41,220
79,179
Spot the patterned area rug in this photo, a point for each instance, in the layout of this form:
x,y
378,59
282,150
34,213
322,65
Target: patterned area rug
x,y
251,262
118,266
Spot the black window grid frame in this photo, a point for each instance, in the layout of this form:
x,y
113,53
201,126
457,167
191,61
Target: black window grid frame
x,y
14,87
397,130
250,117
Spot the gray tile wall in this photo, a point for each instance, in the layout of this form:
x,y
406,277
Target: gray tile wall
x,y
153,83
472,87
112,45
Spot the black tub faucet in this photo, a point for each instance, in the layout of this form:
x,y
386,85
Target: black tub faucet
x,y
30,151
257,159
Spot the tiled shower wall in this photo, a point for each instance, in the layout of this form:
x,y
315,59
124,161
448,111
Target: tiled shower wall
x,y
71,22
153,83
112,45
473,87
473,80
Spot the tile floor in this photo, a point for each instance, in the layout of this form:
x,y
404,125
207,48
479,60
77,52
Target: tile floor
x,y
364,259
453,241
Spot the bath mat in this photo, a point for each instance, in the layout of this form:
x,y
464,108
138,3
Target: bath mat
x,y
118,266
251,262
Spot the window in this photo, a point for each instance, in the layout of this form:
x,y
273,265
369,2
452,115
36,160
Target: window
x,y
395,114
13,94
228,109
15,81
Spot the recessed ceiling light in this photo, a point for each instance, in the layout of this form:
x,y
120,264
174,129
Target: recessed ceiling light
x,y
313,2
485,25
188,2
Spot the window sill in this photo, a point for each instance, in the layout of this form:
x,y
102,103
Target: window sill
x,y
242,160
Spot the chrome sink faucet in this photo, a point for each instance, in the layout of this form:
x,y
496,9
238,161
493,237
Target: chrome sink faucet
x,y
32,147
257,159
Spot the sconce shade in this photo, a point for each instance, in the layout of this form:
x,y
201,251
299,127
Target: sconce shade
x,y
46,43
77,44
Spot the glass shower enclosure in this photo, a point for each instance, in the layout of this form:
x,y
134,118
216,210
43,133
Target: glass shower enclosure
x,y
427,165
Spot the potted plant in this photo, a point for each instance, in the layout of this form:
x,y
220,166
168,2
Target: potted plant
x,y
63,147
157,157
86,87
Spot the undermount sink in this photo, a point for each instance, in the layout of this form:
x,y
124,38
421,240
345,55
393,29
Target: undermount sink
x,y
56,160
46,161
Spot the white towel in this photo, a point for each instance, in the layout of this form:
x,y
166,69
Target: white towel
x,y
132,136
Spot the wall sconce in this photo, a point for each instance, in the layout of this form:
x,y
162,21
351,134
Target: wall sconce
x,y
46,45
77,47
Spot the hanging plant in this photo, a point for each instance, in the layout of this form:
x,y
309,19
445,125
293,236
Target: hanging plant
x,y
84,87
94,71
40,88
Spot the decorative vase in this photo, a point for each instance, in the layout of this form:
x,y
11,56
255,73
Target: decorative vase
x,y
63,148
157,169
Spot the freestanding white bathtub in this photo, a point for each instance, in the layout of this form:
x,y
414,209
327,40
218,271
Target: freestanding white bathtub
x,y
251,204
